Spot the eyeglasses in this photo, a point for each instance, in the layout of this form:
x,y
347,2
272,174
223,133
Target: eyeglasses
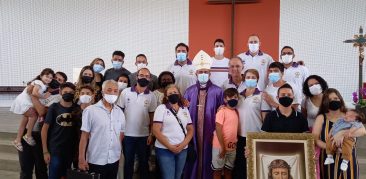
x,y
287,53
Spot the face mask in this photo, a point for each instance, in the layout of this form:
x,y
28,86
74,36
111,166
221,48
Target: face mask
x,y
68,97
285,101
122,86
110,98
232,102
54,84
143,82
54,92
316,89
85,99
141,65
181,57
86,79
203,78
219,50
165,84
117,64
286,59
251,83
253,47
173,98
274,77
335,105
97,68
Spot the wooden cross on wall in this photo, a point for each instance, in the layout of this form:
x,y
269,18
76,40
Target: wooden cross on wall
x,y
233,3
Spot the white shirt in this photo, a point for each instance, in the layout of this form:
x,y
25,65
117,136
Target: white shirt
x,y
230,84
219,71
185,76
296,74
170,126
272,91
259,62
311,110
104,128
249,109
137,108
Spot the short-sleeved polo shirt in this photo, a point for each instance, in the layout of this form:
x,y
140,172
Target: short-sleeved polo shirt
x,y
296,74
277,122
185,76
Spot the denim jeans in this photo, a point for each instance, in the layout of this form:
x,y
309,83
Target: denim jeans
x,y
58,166
171,165
32,157
132,146
240,166
108,171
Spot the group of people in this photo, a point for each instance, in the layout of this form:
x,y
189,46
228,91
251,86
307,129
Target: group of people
x,y
195,116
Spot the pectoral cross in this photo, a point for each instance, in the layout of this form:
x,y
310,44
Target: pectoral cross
x,y
360,42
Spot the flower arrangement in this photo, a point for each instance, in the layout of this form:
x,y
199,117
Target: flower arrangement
x,y
360,100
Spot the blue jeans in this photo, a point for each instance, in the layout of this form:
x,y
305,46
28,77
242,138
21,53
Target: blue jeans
x,y
171,165
58,166
132,146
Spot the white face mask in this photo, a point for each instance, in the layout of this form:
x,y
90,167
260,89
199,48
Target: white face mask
x,y
85,99
315,89
122,86
286,59
141,65
219,50
110,98
253,47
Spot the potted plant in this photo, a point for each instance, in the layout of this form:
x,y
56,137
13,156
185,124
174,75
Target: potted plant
x,y
360,101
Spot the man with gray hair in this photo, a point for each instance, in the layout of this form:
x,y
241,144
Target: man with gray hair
x,y
103,124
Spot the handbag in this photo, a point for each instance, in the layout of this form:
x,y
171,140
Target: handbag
x,y
191,152
78,174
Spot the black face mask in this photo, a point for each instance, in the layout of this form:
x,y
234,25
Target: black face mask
x,y
54,84
173,98
54,92
143,82
232,102
285,101
165,84
68,97
86,79
335,105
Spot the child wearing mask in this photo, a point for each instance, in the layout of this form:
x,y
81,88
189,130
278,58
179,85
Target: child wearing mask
x,y
59,133
23,105
225,136
352,121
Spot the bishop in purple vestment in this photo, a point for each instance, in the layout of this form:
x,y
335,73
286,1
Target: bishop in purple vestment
x,y
204,100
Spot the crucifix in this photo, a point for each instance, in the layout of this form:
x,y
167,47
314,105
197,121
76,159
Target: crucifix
x,y
360,42
233,3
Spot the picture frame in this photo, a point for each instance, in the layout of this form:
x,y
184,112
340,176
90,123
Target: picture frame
x,y
280,153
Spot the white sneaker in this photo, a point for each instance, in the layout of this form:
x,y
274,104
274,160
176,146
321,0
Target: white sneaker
x,y
344,166
328,161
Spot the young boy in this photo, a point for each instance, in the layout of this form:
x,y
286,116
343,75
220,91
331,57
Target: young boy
x,y
59,134
225,136
352,121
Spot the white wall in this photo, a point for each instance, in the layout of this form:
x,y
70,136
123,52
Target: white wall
x,y
316,30
68,34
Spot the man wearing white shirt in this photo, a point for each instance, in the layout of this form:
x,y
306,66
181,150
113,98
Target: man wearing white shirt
x,y
294,72
275,76
103,125
254,58
183,70
139,104
236,79
219,69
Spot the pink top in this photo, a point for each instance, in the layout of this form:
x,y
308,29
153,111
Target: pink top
x,y
229,119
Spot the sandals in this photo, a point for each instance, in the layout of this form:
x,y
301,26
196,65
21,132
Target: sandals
x,y
29,140
18,145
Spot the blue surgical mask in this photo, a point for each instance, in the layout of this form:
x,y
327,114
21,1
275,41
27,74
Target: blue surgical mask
x,y
203,78
117,64
274,77
251,83
98,68
181,56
